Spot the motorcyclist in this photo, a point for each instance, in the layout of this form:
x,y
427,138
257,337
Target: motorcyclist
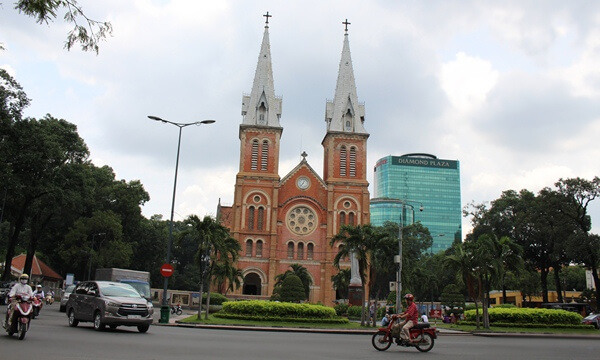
x,y
410,316
20,288
38,290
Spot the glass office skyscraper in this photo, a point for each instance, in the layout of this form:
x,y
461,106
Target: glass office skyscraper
x,y
419,181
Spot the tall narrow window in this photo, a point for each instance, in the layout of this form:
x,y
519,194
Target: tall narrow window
x,y
352,161
351,219
259,245
300,251
290,250
264,156
343,160
251,218
309,251
342,219
254,164
248,248
261,218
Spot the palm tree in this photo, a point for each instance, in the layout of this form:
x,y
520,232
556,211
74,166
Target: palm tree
x,y
301,272
361,241
341,280
227,277
462,263
510,255
215,246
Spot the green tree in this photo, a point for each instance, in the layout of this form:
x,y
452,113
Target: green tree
x,y
88,35
360,240
215,246
510,255
585,249
302,273
341,281
292,289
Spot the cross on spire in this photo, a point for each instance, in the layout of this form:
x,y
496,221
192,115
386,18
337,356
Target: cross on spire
x,y
267,16
346,23
304,155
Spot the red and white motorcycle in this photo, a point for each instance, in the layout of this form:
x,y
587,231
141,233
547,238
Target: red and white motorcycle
x,y
37,305
21,317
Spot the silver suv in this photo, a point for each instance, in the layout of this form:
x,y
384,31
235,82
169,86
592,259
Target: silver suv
x,y
109,303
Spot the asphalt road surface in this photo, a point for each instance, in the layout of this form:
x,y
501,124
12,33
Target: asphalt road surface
x,y
51,338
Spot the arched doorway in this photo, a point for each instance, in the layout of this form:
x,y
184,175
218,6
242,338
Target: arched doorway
x,y
252,284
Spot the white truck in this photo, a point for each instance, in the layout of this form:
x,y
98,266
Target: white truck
x,y
140,280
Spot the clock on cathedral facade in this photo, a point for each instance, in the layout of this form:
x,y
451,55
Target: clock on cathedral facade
x,y
280,221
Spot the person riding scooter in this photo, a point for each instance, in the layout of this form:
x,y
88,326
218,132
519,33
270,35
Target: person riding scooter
x,y
39,290
20,288
410,316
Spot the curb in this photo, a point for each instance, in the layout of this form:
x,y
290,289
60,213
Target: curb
x,y
444,333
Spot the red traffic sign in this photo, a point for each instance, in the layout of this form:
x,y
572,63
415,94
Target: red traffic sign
x,y
166,270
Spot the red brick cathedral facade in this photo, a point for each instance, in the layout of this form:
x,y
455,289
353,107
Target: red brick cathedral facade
x,y
280,221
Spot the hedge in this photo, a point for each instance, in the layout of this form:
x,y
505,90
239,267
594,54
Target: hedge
x,y
534,326
528,316
251,309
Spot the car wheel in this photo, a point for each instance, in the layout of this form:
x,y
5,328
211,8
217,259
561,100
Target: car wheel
x,y
98,325
143,328
72,321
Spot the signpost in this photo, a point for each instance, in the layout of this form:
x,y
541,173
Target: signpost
x,y
166,270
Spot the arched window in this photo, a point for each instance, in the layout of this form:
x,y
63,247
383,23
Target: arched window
x,y
259,245
300,255
309,251
251,218
261,218
254,164
262,110
351,219
290,250
248,248
343,160
352,161
264,156
342,218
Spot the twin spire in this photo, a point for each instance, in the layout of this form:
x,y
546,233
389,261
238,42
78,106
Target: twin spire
x,y
263,108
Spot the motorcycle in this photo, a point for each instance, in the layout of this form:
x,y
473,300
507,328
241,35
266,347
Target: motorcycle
x,y
176,309
37,305
422,335
49,299
21,317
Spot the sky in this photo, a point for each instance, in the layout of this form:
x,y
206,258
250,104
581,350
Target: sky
x,y
509,88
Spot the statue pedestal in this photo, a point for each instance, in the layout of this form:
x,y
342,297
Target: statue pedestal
x,y
355,295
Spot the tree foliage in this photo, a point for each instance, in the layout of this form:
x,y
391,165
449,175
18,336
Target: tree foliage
x,y
86,31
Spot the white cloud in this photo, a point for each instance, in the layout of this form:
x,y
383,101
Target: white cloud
x,y
467,80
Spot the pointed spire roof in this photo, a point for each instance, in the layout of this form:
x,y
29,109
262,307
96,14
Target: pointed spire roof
x,y
262,107
345,114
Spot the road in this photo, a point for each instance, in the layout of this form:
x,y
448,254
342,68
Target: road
x,y
51,338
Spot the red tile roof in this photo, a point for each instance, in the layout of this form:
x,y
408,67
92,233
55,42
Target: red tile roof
x,y
38,267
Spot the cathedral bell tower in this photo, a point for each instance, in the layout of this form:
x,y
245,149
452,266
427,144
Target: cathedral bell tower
x,y
345,157
257,182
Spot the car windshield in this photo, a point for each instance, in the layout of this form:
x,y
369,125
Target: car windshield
x,y
121,290
591,317
69,289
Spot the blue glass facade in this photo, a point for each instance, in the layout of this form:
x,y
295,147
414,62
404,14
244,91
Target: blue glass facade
x,y
419,180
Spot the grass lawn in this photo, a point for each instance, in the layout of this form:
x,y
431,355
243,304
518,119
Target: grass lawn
x,y
354,325
217,321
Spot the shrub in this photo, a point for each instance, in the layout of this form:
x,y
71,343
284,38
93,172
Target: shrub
x,y
278,311
528,316
215,298
292,289
354,312
341,309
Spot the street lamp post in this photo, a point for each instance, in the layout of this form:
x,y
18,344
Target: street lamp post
x,y
398,259
92,254
170,242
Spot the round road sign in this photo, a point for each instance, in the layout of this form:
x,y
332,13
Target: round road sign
x,y
166,270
